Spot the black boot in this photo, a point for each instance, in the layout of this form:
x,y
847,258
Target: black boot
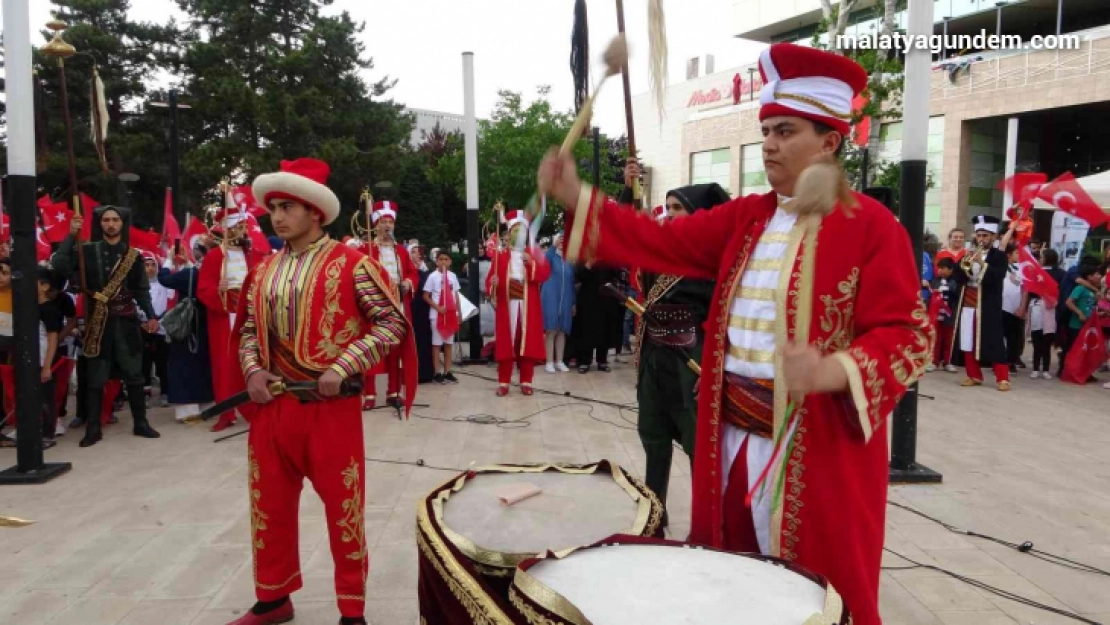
x,y
658,473
93,399
137,399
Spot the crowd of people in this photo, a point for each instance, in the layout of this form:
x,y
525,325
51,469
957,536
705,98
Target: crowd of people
x,y
1010,315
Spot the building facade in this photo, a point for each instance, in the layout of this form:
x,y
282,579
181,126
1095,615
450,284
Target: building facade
x,y
991,112
427,120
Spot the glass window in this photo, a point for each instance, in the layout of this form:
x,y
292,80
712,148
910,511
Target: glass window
x,y
711,166
753,178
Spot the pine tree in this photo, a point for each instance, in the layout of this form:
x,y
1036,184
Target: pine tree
x,y
127,53
278,80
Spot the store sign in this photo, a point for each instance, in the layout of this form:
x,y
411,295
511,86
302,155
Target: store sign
x,y
731,94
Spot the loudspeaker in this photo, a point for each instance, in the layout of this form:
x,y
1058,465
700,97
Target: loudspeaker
x,y
883,195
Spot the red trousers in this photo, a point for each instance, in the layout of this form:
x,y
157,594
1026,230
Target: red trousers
x,y
739,529
393,373
322,441
975,372
943,355
505,371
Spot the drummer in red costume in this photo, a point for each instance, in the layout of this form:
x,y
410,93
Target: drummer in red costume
x,y
818,306
513,286
219,286
315,310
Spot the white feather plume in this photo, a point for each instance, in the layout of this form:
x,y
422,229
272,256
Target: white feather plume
x,y
657,38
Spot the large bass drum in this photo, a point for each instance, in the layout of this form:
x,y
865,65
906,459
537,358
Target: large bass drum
x,y
470,543
632,581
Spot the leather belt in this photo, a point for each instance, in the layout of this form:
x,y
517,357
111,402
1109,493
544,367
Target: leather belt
x,y
675,326
121,308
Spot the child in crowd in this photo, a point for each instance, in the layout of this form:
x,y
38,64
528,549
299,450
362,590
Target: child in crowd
x,y
944,287
51,322
1013,321
1042,320
441,292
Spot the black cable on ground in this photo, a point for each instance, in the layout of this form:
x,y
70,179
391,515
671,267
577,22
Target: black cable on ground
x,y
602,402
987,587
1025,547
522,422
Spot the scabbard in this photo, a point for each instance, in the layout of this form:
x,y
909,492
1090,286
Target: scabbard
x,y
351,387
646,316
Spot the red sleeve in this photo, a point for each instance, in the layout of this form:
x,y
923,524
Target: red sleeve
x,y
541,270
490,274
408,268
208,282
894,339
603,231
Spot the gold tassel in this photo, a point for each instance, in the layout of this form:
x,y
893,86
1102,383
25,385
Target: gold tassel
x,y
99,119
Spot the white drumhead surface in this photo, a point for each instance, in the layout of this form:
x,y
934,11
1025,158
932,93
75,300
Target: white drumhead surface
x,y
638,584
572,511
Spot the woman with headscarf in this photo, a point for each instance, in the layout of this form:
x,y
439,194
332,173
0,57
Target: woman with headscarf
x,y
189,360
665,384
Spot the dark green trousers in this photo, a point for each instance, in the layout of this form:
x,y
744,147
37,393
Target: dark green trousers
x,y
668,411
121,355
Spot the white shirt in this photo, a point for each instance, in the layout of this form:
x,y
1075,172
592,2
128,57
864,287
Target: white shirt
x,y
434,286
516,266
387,257
1011,290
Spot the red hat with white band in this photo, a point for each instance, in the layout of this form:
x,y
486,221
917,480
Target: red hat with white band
x,y
304,180
805,82
659,213
517,217
384,209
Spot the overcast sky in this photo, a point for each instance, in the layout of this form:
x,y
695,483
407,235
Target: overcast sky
x,y
518,44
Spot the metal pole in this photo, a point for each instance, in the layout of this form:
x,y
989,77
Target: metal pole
x,y
174,164
944,41
470,130
911,212
30,467
629,126
1060,17
1011,161
751,84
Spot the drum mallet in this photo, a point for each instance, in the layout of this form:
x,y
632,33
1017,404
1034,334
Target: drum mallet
x,y
610,290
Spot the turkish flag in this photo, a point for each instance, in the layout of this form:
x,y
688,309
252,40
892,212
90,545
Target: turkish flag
x,y
194,230
244,198
259,243
5,229
861,133
1087,354
936,306
1036,280
146,241
42,246
55,222
1065,194
170,228
1024,189
447,324
47,205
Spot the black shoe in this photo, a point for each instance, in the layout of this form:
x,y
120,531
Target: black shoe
x,y
394,402
604,368
450,378
1013,368
90,439
144,430
584,369
76,422
438,379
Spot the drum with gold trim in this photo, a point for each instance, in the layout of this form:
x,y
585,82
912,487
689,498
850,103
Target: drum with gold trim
x,y
631,581
470,543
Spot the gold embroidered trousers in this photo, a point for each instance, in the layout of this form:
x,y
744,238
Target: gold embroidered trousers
x,y
322,441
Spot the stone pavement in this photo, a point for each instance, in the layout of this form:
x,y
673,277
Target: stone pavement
x,y
158,532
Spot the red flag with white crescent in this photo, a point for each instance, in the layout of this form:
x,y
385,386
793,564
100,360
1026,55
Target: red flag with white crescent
x,y
1035,279
1087,354
447,324
1066,194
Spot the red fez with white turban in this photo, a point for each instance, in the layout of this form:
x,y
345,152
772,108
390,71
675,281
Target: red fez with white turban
x,y
809,83
304,180
659,212
514,218
384,209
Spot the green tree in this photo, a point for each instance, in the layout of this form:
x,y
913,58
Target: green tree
x,y
279,80
436,146
511,145
126,53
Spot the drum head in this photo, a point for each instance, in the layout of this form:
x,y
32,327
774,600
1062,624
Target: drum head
x,y
667,585
573,510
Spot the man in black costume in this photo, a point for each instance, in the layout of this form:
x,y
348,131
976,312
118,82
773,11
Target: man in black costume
x,y
115,287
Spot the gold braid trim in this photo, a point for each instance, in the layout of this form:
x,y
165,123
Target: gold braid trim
x,y
94,332
812,102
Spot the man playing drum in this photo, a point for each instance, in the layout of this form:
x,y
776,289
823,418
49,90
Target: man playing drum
x,y
816,331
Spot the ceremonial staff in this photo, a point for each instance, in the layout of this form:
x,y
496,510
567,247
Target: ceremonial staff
x,y
59,49
630,129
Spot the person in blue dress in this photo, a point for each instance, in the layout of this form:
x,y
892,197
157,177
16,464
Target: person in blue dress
x,y
558,299
190,386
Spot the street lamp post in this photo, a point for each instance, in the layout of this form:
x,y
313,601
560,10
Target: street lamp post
x,y
30,465
173,105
